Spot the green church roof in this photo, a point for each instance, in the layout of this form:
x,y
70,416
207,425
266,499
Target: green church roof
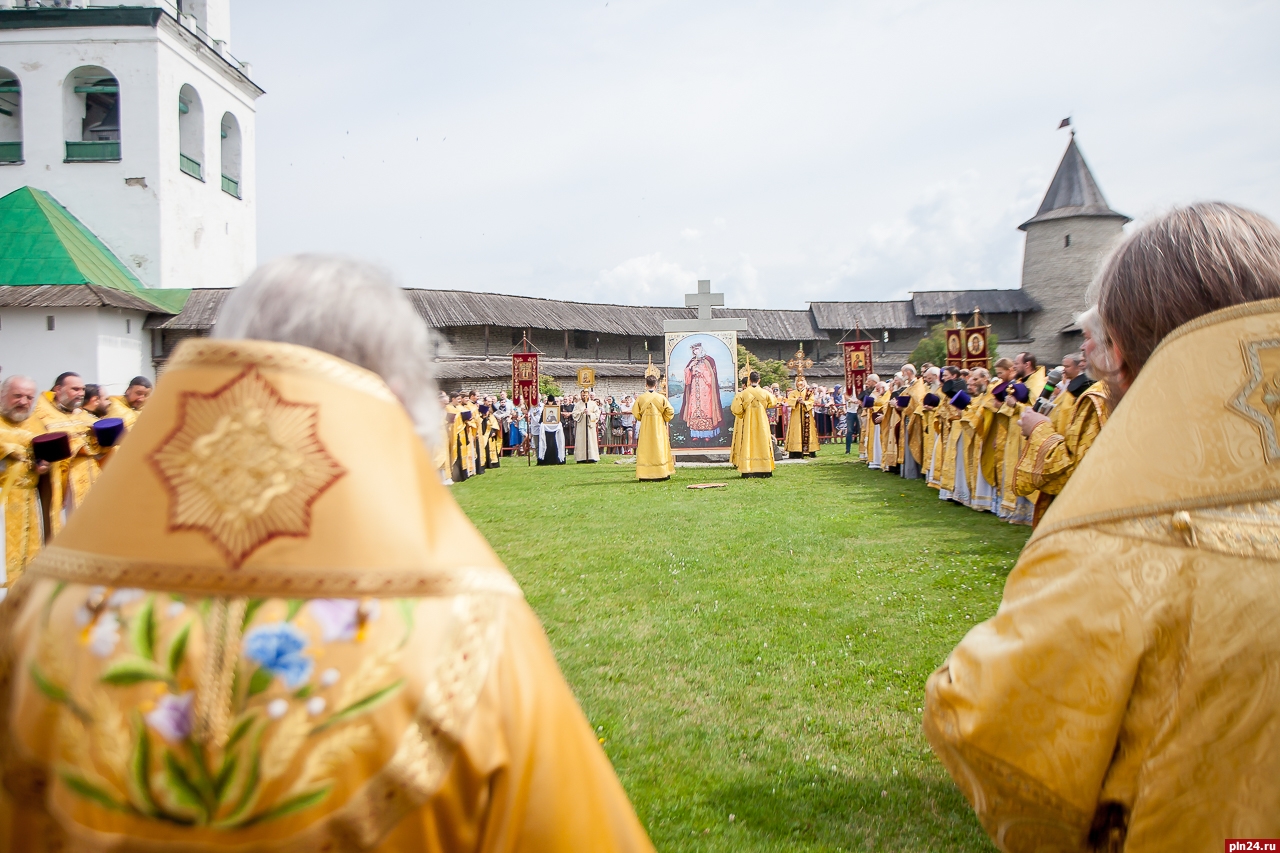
x,y
42,244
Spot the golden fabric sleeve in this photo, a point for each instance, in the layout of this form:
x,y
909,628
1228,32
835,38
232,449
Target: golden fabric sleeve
x,y
1049,459
1026,723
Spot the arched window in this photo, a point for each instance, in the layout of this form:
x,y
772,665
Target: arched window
x,y
230,155
190,132
91,115
10,117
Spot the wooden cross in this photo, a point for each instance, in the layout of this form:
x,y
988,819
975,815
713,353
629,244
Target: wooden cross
x,y
651,370
703,299
799,363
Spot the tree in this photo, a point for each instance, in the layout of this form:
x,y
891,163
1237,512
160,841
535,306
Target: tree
x,y
933,348
547,385
772,371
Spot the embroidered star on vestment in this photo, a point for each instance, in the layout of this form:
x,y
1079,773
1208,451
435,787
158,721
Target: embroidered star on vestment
x,y
244,465
1259,398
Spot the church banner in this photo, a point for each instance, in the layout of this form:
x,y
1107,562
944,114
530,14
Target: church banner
x,y
701,379
975,347
955,347
524,377
857,365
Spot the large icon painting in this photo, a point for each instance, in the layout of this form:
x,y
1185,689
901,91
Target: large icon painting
x,y
701,372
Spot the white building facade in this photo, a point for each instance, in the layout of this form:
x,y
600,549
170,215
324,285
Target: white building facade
x,y
139,121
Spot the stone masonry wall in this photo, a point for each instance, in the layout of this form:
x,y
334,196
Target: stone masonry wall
x,y
1058,276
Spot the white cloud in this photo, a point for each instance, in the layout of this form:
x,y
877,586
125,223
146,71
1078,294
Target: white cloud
x,y
952,237
690,234
645,280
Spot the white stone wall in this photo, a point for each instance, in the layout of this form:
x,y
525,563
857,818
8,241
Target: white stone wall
x,y
104,345
175,231
1058,277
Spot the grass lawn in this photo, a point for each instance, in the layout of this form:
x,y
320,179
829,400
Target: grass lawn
x,y
755,656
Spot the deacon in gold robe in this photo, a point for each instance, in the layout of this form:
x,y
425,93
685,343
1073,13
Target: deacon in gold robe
x,y
461,458
875,420
1015,508
953,481
128,405
84,467
913,426
802,424
653,412
341,663
991,457
865,439
977,420
58,410
935,437
752,439
891,426
489,437
1075,381
19,477
1057,444
1123,696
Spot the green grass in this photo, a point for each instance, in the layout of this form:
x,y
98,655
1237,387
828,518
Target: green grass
x,y
758,650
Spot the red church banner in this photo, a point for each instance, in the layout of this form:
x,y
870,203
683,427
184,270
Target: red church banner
x,y
524,377
857,364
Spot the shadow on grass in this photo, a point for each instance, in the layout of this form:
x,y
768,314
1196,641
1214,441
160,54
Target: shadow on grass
x,y
803,808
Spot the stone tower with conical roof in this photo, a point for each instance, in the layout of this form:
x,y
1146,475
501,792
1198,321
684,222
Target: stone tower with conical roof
x,y
1067,240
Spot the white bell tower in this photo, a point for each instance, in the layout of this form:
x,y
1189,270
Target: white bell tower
x,y
140,121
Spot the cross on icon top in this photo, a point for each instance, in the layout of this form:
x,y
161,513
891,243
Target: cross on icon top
x,y
703,299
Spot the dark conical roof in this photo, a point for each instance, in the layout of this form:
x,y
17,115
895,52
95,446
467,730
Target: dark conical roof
x,y
1073,192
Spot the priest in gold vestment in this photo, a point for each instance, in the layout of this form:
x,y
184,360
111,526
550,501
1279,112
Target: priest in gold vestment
x,y
19,477
59,411
802,423
1023,392
257,634
752,439
653,412
129,405
1123,696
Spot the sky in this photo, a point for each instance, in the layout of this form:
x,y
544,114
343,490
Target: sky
x,y
620,150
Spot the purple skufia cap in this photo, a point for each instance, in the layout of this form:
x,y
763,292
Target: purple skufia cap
x,y
868,401
51,447
932,399
1000,391
903,400
484,409
961,400
466,414
1021,392
107,431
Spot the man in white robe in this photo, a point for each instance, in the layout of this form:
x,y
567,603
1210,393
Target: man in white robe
x,y
586,415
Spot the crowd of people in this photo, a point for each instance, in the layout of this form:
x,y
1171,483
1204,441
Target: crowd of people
x,y
362,671
1005,444
54,444
482,429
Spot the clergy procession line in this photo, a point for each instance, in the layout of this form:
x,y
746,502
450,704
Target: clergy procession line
x,y
477,432
53,446
1006,447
